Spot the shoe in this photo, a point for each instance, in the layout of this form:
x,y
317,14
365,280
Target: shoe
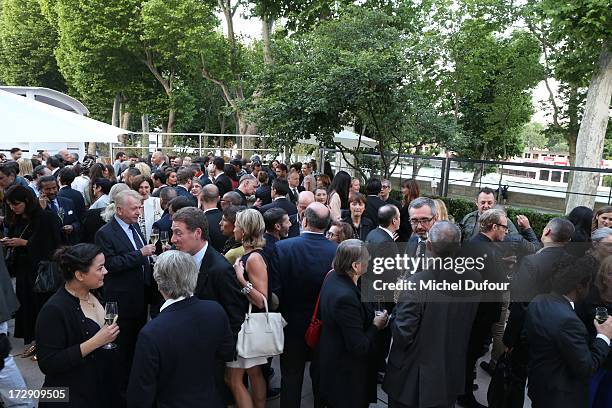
x,y
469,402
474,387
29,352
487,367
380,377
273,393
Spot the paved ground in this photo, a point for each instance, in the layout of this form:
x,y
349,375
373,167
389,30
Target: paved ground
x,y
34,380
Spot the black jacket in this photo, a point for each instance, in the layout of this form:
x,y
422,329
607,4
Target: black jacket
x,y
217,281
176,355
562,357
283,203
346,352
378,236
264,193
373,203
364,228
223,183
215,237
77,200
92,222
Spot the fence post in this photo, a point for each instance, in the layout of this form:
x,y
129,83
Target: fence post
x,y
446,165
200,142
321,160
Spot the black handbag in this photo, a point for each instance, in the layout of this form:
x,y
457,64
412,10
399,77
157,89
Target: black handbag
x,y
48,277
505,389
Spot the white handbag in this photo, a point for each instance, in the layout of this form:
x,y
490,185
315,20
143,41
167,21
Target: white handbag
x,y
261,334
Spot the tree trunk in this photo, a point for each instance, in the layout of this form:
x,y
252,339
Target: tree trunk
x,y
590,143
144,119
116,110
91,148
266,28
167,139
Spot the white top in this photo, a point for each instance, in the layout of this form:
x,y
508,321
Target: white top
x,y
199,256
101,202
171,301
387,231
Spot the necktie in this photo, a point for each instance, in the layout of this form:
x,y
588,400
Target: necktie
x,y
53,206
146,270
420,252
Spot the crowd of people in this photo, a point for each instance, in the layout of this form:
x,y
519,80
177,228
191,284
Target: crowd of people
x,y
184,248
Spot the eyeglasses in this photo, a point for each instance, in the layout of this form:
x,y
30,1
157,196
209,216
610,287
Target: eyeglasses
x,y
505,227
422,221
384,186
332,234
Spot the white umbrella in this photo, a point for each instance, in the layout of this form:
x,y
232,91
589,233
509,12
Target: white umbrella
x,y
26,120
347,139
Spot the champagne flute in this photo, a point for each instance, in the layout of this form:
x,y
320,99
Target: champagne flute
x,y
163,236
154,236
601,314
110,316
60,214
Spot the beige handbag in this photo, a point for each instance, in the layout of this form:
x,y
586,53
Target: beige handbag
x,y
261,334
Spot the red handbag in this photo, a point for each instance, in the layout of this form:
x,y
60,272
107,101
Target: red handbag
x,y
313,332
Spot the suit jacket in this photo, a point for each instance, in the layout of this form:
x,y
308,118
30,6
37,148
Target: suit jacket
x,y
175,356
431,331
294,229
364,227
405,229
378,236
562,357
373,203
164,223
303,263
125,281
182,192
205,180
264,193
394,202
294,197
283,203
346,358
271,256
215,237
217,281
531,277
70,218
224,183
77,200
92,222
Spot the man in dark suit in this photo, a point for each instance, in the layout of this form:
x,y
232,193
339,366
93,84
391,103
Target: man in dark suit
x,y
294,186
158,162
184,182
373,201
209,198
61,206
422,213
423,323
159,182
304,200
166,195
277,227
129,274
532,277
280,189
222,181
300,285
388,220
562,358
65,178
178,351
246,188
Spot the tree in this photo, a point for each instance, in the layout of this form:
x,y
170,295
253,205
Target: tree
x,y
533,137
357,71
27,44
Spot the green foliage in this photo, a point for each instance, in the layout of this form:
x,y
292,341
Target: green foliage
x,y
533,137
27,43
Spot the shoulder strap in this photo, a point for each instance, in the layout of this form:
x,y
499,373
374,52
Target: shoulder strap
x,y
316,309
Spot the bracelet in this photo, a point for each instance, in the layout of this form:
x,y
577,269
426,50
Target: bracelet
x,y
247,289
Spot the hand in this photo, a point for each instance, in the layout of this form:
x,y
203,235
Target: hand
x,y
43,201
166,247
523,222
147,250
604,328
380,321
67,229
13,242
105,335
239,269
257,203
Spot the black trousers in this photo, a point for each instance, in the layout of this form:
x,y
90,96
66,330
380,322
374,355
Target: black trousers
x,y
396,404
126,345
292,363
480,332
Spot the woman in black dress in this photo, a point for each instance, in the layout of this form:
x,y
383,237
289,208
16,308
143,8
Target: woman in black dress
x,y
70,332
33,235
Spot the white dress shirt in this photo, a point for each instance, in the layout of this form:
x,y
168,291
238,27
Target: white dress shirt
x,y
199,256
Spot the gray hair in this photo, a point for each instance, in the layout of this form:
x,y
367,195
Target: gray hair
x,y
444,237
600,234
489,218
421,202
122,198
233,197
561,229
349,251
176,274
247,177
110,210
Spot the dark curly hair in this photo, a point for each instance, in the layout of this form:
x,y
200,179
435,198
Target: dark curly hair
x,y
74,258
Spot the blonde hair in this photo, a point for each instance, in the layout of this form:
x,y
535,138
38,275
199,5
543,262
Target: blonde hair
x,y
25,167
600,277
441,210
145,170
252,224
109,212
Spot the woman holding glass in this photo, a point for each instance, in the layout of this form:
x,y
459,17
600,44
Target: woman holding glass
x,y
71,332
152,210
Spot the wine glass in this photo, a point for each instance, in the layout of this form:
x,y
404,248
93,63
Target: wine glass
x,y
61,213
154,236
163,236
601,314
110,316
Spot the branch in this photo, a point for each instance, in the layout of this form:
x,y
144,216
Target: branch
x,y
226,93
353,166
148,61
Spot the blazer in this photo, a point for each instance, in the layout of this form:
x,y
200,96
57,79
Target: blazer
x,y
215,237
125,281
271,256
394,202
303,263
562,357
364,227
264,193
61,327
183,192
378,236
373,204
405,229
294,197
224,183
176,354
217,281
70,218
164,223
431,331
346,350
77,200
92,222
294,229
281,202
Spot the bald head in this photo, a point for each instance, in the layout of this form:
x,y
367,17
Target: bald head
x,y
209,196
316,217
305,198
157,158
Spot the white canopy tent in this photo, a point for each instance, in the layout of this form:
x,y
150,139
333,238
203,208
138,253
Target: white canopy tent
x,y
347,139
28,121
